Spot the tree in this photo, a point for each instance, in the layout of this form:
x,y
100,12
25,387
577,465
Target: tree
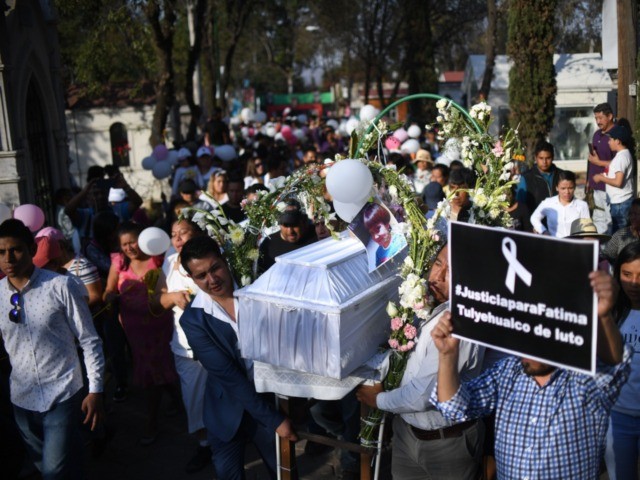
x,y
197,15
489,49
532,81
419,61
161,15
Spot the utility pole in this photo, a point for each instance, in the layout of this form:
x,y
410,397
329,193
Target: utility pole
x,y
627,51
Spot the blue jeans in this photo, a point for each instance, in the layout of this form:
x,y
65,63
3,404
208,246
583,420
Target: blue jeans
x,y
620,215
53,438
625,431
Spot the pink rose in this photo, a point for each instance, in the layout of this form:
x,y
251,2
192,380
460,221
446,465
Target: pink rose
x,y
396,324
410,331
393,343
407,347
497,149
418,306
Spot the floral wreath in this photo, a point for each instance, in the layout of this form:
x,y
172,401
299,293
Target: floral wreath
x,y
492,159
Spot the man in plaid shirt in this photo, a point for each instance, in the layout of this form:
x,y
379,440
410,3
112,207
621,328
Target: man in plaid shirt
x,y
550,423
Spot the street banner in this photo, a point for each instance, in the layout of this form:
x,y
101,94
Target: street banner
x,y
524,294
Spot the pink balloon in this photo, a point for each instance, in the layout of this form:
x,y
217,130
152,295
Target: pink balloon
x,y
160,151
392,143
31,215
286,129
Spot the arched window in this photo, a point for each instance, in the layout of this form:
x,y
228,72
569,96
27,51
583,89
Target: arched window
x,y
119,144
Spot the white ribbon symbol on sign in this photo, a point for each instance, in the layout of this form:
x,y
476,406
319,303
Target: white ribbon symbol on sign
x,y
515,267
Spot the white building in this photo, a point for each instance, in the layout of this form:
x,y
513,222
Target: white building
x,y
582,83
118,135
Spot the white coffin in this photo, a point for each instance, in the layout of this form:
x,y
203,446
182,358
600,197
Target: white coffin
x,y
318,309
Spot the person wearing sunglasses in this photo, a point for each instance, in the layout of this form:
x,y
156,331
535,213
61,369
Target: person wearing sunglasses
x,y
42,314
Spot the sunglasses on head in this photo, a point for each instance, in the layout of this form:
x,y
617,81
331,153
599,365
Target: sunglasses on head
x,y
14,314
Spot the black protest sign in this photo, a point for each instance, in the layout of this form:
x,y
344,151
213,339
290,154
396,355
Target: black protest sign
x,y
524,294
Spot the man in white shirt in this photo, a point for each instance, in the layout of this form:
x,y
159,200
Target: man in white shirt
x,y
425,444
41,317
234,413
618,179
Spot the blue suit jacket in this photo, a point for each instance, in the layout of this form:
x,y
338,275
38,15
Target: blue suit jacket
x,y
229,393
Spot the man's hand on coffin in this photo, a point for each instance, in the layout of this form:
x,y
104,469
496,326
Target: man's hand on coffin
x,y
367,394
286,431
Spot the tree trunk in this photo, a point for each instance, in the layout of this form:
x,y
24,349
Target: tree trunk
x,y
419,62
162,21
195,47
489,50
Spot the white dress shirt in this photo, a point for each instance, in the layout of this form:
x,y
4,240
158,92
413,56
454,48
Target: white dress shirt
x,y
559,217
177,281
213,308
42,345
411,399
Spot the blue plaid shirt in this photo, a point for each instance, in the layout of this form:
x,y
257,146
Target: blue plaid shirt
x,y
552,432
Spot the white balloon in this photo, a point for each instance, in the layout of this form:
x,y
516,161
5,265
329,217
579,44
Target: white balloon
x,y
333,123
149,162
246,114
271,131
161,170
401,134
260,117
347,211
245,132
235,121
5,213
154,241
368,113
352,124
410,146
349,181
414,131
278,137
299,134
226,153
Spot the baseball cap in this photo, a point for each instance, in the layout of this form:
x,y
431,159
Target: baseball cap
x,y
184,153
621,133
48,249
187,186
292,214
204,150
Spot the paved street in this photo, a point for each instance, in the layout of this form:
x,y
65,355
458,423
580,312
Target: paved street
x,y
125,459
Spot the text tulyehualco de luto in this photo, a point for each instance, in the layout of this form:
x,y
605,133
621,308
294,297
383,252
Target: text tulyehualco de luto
x,y
539,309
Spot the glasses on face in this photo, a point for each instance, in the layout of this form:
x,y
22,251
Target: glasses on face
x,y
14,314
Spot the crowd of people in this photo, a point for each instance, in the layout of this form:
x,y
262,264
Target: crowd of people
x,y
85,297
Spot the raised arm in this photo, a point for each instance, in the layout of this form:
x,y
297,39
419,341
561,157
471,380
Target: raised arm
x,y
448,348
610,341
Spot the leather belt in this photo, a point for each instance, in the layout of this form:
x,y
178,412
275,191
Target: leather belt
x,y
448,432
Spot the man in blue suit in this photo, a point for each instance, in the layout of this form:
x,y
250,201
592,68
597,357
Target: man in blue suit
x,y
234,413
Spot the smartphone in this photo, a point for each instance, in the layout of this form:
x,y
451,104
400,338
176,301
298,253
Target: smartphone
x,y
591,149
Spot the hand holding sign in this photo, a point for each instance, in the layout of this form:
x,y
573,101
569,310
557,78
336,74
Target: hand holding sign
x,y
606,290
441,335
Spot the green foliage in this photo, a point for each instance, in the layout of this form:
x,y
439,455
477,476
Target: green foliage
x,y
104,42
532,82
